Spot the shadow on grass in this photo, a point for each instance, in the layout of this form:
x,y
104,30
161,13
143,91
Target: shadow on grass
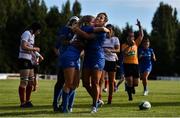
x,y
44,110
26,113
165,103
17,107
129,104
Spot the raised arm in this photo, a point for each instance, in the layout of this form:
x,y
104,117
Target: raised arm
x,y
141,34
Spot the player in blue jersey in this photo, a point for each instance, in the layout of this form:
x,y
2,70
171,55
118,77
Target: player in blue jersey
x,y
72,55
146,55
64,36
94,62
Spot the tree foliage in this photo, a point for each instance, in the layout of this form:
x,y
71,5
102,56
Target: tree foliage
x,y
16,15
163,37
76,10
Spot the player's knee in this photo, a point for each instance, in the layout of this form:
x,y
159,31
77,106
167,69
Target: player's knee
x,y
60,81
135,84
31,81
24,82
74,86
67,85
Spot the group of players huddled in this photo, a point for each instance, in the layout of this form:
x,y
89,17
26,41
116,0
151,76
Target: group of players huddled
x,y
89,42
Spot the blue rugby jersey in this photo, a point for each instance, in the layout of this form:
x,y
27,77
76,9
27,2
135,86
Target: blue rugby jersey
x,y
95,47
64,33
146,56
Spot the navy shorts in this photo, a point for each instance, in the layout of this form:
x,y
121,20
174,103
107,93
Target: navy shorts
x,y
94,63
145,68
70,58
110,66
131,70
24,64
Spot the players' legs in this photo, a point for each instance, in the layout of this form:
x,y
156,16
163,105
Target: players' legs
x,y
96,76
111,76
29,87
69,74
129,81
106,82
101,84
144,78
86,80
72,90
58,89
24,77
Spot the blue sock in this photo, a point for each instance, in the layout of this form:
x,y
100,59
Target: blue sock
x,y
145,88
57,92
71,98
65,99
57,95
97,104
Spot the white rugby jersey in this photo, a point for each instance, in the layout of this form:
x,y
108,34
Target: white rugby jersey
x,y
29,38
110,44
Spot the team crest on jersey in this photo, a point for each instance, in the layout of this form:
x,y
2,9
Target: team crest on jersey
x,y
72,64
96,66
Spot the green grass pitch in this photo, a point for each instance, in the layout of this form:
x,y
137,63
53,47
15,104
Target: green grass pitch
x,y
164,97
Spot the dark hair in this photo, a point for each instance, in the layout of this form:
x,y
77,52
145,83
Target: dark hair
x,y
106,17
35,26
145,40
85,20
71,22
110,27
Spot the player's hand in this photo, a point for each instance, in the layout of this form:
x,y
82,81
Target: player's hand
x,y
41,58
36,49
138,23
106,50
106,30
35,88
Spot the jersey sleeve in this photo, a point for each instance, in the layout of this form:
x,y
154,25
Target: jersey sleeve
x,y
88,29
152,51
116,42
61,35
25,36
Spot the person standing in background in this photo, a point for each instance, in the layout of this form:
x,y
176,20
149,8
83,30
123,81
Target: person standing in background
x,y
25,64
146,56
111,47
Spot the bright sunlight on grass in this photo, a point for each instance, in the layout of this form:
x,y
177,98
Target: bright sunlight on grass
x,y
164,97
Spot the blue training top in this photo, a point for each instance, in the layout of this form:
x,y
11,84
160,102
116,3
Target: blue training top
x,y
146,56
64,33
94,46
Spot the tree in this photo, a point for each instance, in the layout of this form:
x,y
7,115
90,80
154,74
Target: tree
x,y
53,22
177,52
117,31
66,11
163,37
76,9
125,32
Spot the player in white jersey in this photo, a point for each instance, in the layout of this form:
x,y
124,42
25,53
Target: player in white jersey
x,y
111,47
25,64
